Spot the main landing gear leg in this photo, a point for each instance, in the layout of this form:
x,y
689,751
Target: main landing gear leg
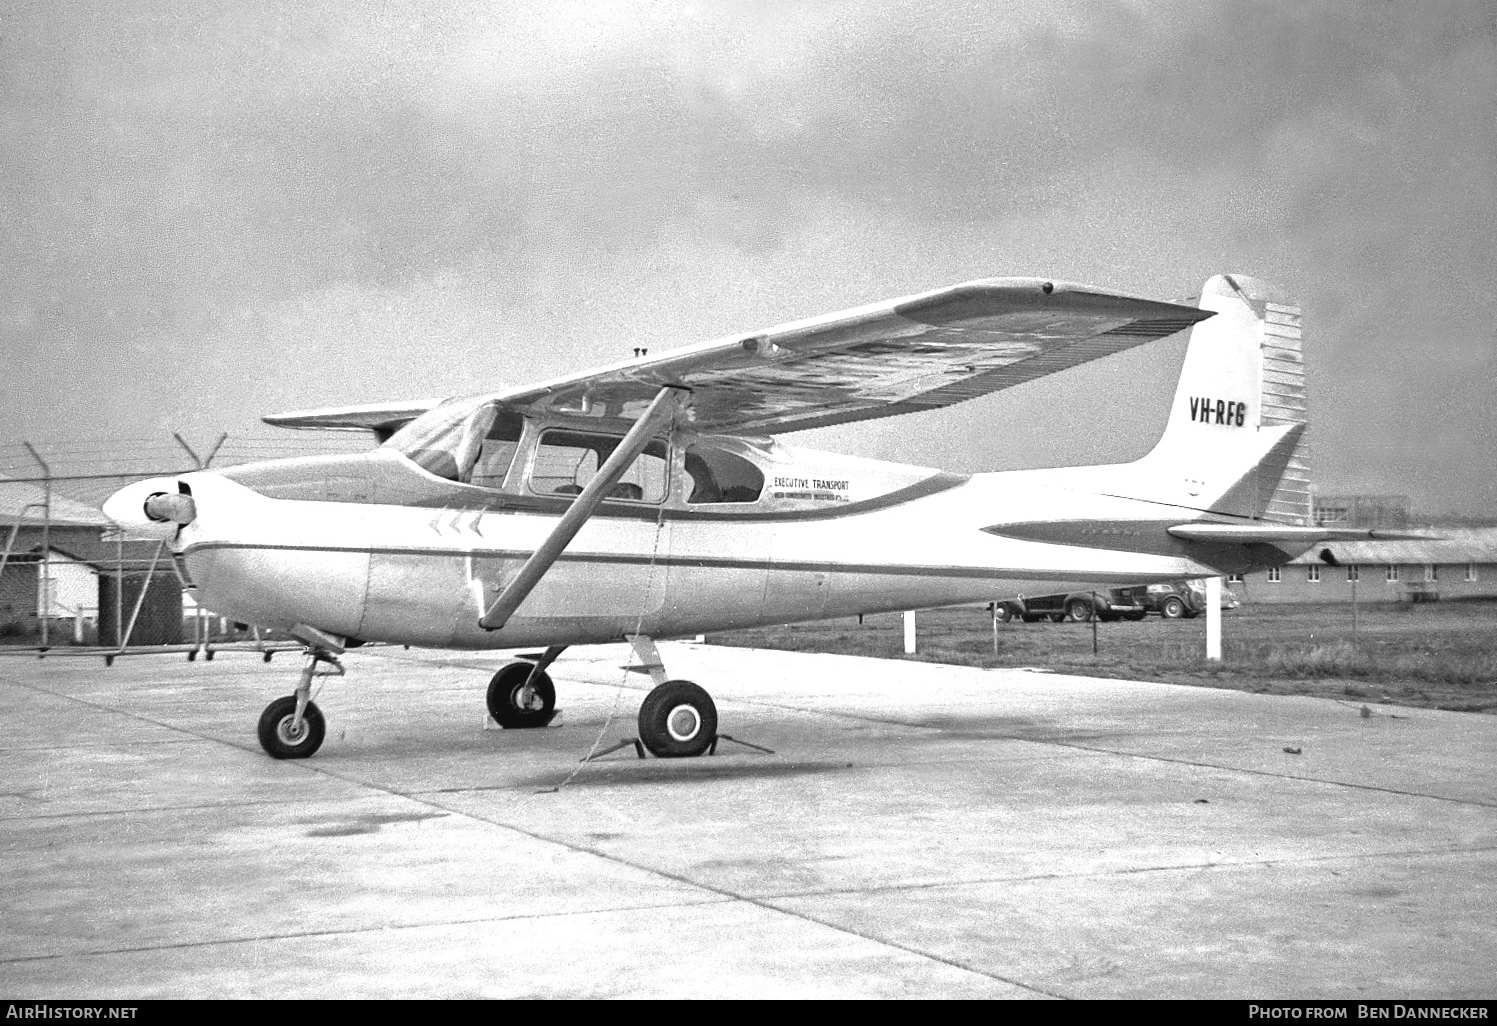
x,y
521,695
677,719
292,727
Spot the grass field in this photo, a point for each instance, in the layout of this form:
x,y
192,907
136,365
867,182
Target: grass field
x,y
1440,656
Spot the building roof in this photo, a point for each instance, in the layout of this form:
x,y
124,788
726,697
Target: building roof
x,y
21,502
1438,545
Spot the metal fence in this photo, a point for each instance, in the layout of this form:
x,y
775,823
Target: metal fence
x,y
95,591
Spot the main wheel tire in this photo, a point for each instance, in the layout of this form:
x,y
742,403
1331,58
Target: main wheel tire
x,y
505,703
1078,611
677,720
278,738
1172,609
1057,617
1003,614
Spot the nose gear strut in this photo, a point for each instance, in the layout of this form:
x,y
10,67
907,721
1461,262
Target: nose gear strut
x,y
292,727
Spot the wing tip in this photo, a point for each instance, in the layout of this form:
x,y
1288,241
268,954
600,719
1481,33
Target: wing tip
x,y
984,297
366,417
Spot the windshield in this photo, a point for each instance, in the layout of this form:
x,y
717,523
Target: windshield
x,y
472,441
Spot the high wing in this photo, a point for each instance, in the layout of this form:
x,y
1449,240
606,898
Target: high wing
x,y
900,356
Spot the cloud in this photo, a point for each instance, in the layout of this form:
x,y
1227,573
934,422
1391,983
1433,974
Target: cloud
x,y
315,194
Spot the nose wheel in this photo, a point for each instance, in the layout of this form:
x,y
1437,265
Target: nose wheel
x,y
292,727
284,736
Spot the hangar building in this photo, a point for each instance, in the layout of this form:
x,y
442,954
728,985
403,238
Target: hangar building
x,y
84,563
1453,563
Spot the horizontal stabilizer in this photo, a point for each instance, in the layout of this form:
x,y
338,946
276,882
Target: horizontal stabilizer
x,y
1278,534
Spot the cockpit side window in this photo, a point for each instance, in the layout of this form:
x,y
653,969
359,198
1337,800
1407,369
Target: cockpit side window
x,y
470,441
721,476
498,450
565,461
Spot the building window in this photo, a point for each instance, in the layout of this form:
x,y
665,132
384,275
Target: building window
x,y
1353,573
1392,573
1312,573
1431,572
1234,579
1273,575
1470,571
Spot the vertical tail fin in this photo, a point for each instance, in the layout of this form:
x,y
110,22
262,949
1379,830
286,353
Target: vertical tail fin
x,y
1236,437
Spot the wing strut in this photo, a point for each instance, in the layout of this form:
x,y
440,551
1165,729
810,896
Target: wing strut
x,y
667,401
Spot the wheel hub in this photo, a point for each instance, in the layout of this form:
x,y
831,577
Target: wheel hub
x,y
683,723
290,732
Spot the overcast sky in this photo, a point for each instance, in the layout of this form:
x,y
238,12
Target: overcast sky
x,y
211,211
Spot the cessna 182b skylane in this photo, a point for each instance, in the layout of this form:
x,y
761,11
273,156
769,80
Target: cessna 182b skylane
x,y
646,499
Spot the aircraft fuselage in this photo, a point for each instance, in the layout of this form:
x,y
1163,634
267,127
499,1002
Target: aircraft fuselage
x,y
423,574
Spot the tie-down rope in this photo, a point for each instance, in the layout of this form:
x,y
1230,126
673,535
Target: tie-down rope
x,y
638,626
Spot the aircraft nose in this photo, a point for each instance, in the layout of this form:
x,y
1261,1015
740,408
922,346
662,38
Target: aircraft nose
x,y
153,508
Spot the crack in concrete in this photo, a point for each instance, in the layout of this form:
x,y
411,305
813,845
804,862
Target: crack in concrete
x,y
351,931
96,744
1188,867
154,809
736,896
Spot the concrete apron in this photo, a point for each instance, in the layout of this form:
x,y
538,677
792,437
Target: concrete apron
x,y
921,830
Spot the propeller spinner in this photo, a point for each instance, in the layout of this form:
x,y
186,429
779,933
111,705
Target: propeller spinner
x,y
156,508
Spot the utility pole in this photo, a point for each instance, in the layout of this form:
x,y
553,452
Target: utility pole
x,y
1356,572
45,584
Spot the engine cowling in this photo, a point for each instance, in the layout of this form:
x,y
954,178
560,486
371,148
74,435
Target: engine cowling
x,y
155,508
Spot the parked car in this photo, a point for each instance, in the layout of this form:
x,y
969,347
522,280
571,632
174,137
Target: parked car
x,y
1075,606
1175,600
